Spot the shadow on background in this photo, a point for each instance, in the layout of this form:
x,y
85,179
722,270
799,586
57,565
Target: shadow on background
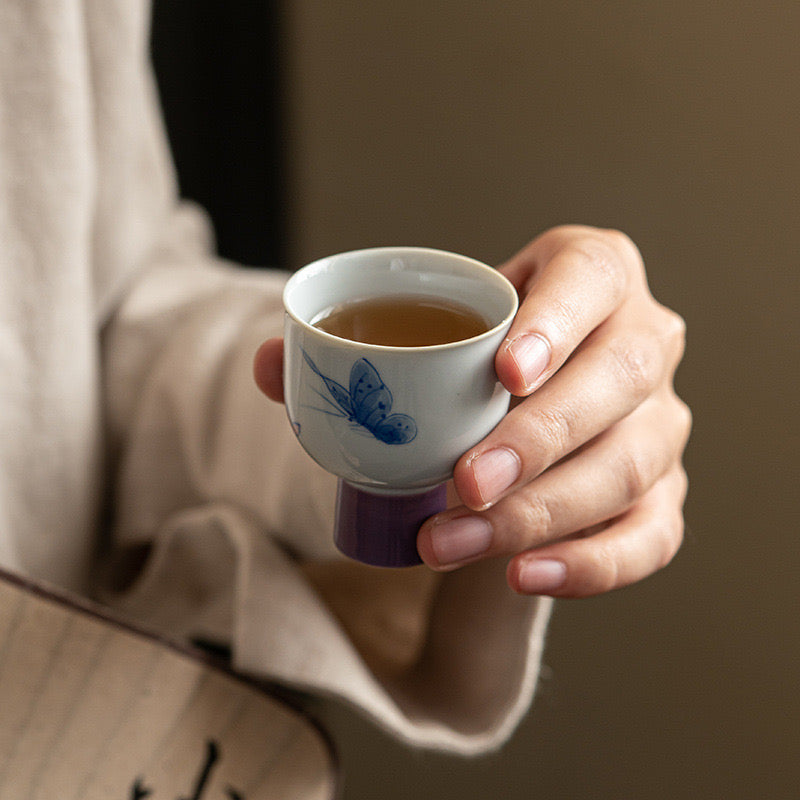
x,y
218,71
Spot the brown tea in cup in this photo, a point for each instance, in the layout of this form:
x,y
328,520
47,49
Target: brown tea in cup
x,y
403,321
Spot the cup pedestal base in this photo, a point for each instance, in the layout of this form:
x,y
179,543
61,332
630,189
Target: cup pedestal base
x,y
381,529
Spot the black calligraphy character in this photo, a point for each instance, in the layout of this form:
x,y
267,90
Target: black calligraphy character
x,y
212,754
139,791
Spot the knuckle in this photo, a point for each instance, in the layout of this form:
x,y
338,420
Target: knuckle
x,y
623,244
566,315
634,474
602,258
554,431
674,330
680,419
520,524
560,235
676,326
602,572
683,490
637,365
534,523
671,538
686,420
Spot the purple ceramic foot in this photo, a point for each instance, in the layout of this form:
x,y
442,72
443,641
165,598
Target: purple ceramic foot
x,y
381,530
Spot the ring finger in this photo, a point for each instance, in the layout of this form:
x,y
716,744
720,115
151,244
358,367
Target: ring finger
x,y
595,484
631,547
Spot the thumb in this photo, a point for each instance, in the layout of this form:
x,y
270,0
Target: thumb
x,y
268,369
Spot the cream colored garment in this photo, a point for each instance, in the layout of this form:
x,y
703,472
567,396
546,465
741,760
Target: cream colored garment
x,y
125,373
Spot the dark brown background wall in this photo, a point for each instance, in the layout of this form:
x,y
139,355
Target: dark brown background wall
x,y
472,126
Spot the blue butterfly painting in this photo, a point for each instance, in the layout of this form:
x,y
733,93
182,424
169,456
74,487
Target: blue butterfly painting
x,y
367,403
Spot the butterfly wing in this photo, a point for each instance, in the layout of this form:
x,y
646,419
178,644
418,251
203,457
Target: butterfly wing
x,y
371,399
369,402
336,390
396,429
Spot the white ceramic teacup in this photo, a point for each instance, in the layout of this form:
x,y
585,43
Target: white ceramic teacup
x,y
391,422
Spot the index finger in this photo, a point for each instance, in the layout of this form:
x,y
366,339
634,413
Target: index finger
x,y
570,280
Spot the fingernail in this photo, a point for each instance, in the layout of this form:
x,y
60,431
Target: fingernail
x,y
542,576
494,471
531,354
460,539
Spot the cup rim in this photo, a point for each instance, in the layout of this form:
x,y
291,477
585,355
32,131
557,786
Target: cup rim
x,y
317,265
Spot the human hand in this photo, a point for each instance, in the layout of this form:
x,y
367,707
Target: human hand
x,y
581,484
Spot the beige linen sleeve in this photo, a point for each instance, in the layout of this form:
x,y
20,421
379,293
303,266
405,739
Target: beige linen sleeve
x,y
228,519
236,520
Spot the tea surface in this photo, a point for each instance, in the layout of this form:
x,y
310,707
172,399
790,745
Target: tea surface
x,y
403,321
